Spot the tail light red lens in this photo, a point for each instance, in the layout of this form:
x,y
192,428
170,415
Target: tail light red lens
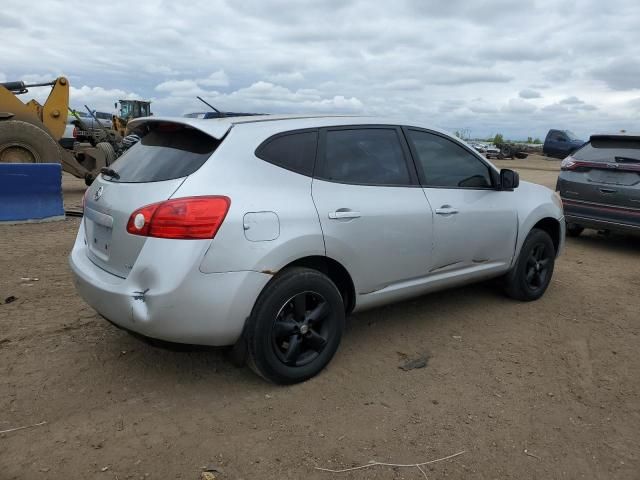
x,y
75,132
189,218
571,163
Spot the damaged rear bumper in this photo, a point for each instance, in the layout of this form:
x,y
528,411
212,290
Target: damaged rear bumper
x,y
185,306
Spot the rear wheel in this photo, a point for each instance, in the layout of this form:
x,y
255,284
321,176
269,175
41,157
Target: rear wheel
x,y
23,142
295,327
109,152
530,277
574,230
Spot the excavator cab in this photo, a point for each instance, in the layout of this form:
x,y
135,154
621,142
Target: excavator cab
x,y
134,109
130,109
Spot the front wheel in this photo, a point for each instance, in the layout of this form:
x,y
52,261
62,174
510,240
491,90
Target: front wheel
x,y
530,277
295,326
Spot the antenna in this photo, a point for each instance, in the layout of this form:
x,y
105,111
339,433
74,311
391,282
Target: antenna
x,y
211,106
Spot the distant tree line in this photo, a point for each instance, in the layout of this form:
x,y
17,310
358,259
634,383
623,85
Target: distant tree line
x,y
499,138
495,139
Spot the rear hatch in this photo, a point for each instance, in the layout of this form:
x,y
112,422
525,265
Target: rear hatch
x,y
606,172
149,172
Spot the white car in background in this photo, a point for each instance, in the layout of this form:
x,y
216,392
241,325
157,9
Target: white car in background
x,y
75,129
491,151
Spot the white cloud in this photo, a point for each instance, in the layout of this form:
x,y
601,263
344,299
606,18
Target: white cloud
x,y
180,88
405,84
529,93
572,100
216,79
453,64
517,105
97,98
164,70
286,77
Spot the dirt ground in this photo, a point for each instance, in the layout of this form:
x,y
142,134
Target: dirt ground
x,y
541,390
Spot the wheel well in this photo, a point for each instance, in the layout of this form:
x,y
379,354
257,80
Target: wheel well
x,y
335,271
552,227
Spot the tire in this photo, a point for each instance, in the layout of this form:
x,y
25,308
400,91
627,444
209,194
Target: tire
x,y
506,151
295,326
574,230
109,152
23,142
530,277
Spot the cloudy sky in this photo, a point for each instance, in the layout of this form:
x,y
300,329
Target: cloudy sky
x,y
516,67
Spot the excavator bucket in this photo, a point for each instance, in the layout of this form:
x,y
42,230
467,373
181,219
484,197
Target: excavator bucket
x,y
29,132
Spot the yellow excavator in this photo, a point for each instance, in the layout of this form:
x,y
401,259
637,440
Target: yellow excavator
x,y
30,132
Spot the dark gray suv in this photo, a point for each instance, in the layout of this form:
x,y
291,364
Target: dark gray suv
x,y
600,184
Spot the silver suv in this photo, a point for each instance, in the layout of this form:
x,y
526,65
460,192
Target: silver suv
x,y
264,232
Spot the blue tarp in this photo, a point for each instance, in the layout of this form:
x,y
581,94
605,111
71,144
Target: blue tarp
x,y
30,191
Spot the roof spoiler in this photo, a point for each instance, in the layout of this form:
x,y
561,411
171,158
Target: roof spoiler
x,y
614,136
215,129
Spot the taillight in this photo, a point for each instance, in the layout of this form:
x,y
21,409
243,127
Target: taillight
x,y
189,218
75,132
568,164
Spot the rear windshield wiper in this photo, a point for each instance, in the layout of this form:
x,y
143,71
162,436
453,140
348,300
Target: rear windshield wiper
x,y
110,172
627,160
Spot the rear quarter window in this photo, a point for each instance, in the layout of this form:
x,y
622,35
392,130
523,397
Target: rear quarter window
x,y
165,151
295,151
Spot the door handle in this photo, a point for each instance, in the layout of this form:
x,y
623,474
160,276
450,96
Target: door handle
x,y
607,190
339,214
446,210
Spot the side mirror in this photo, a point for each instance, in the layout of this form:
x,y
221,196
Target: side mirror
x,y
509,179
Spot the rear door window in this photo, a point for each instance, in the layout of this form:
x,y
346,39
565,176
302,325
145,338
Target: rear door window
x,y
365,156
165,151
295,151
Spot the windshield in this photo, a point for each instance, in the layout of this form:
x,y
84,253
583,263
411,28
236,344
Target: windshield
x,y
610,150
134,109
570,135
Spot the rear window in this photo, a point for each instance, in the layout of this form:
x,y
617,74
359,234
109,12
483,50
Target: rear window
x,y
610,150
164,152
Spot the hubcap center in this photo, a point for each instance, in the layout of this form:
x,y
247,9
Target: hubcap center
x,y
304,329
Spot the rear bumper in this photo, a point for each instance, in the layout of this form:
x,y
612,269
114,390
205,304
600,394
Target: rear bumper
x,y
186,306
599,224
595,215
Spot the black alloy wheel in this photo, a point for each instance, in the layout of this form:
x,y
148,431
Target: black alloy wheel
x,y
530,276
537,268
295,326
300,331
